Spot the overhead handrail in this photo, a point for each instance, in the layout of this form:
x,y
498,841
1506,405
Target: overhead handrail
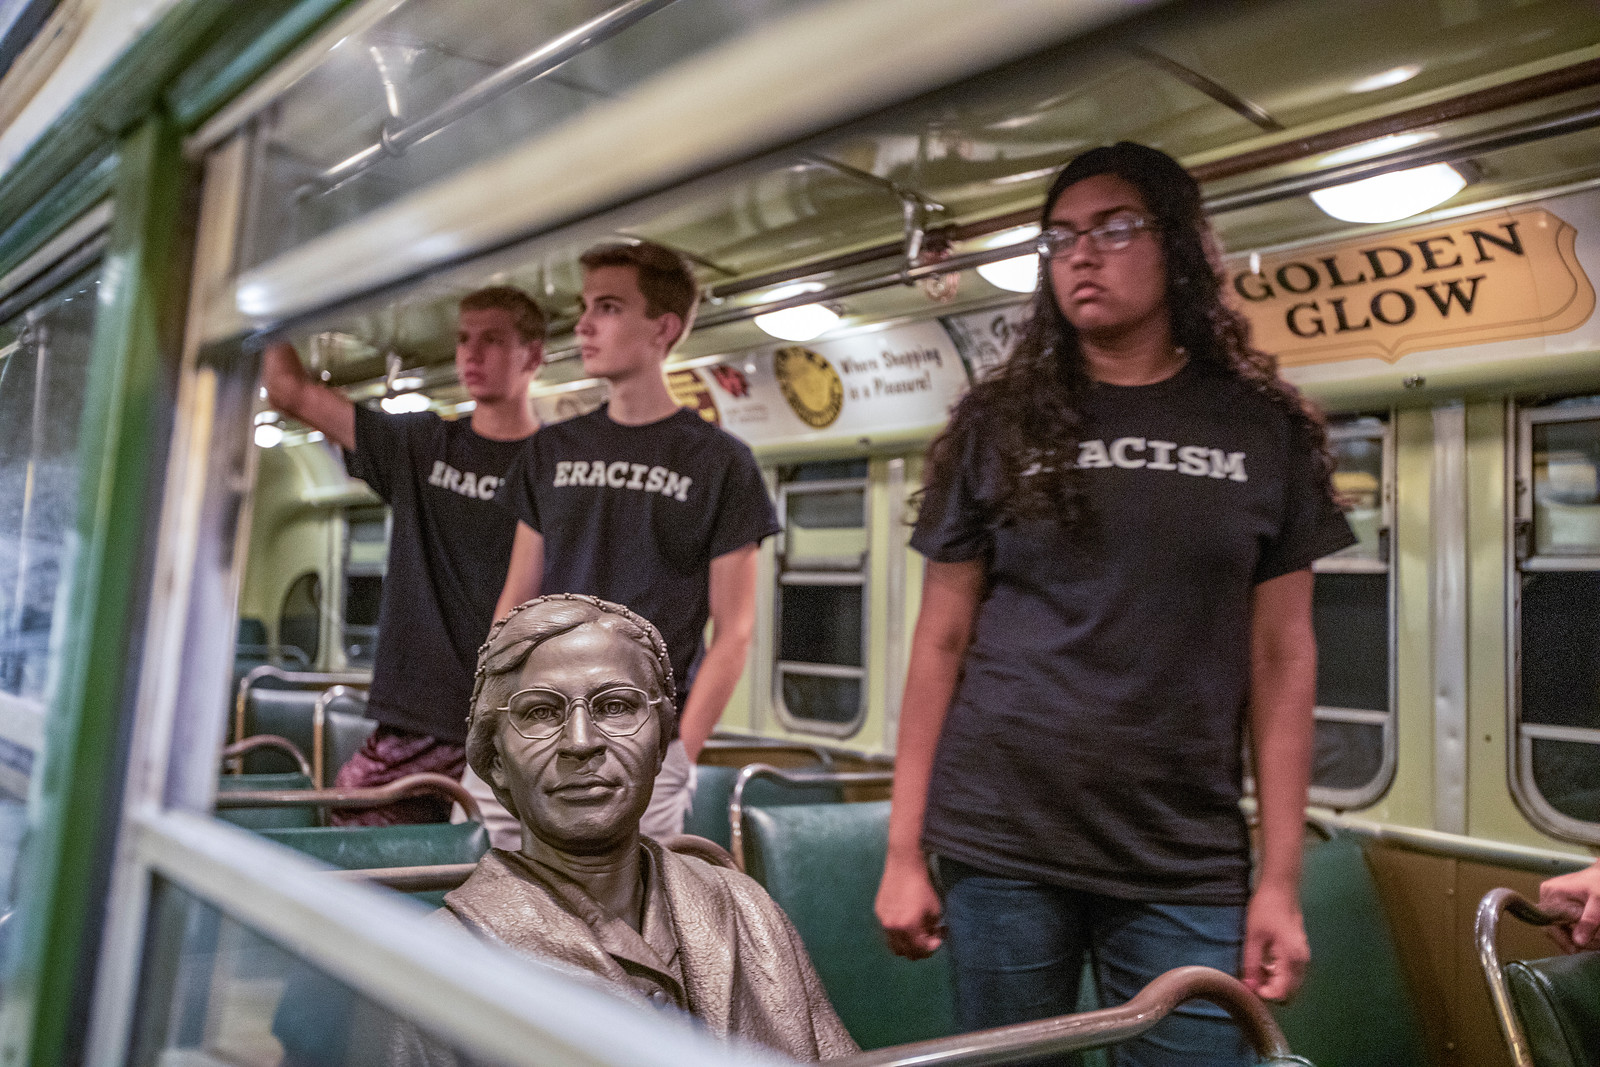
x,y
366,797
292,680
272,741
1095,1029
1485,927
751,771
394,139
319,728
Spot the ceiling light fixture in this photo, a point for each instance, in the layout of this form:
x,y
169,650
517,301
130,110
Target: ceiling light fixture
x,y
410,381
1388,197
402,403
1387,78
797,323
1019,274
269,435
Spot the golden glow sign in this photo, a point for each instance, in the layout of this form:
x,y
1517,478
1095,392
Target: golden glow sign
x,y
1499,277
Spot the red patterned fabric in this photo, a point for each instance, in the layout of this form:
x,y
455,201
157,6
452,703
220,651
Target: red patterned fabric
x,y
390,754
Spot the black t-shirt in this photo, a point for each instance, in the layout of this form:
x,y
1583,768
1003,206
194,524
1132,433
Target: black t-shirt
x,y
1094,740
449,546
636,514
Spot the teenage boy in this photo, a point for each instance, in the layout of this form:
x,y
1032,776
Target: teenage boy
x,y
646,504
449,543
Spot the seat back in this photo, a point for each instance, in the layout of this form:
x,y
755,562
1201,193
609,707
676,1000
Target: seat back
x,y
356,848
345,730
274,818
343,727
287,713
1557,1001
821,863
713,786
1354,1008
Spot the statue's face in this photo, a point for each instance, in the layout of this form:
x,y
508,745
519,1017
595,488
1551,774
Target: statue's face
x,y
581,789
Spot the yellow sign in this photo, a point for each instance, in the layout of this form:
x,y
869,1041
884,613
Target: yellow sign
x,y
688,390
810,385
1497,277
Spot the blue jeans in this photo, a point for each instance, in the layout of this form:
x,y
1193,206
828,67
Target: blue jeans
x,y
1017,951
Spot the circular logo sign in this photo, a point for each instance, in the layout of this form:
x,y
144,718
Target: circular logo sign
x,y
810,385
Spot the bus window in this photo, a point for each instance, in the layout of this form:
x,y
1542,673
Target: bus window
x,y
1354,758
300,621
820,671
44,360
366,554
1557,711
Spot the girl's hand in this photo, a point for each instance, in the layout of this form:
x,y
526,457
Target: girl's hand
x,y
909,909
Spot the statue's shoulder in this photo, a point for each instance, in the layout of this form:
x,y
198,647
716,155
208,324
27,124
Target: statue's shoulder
x,y
690,869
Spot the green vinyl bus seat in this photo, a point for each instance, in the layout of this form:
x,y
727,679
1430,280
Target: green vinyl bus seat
x,y
285,713
1354,1009
1557,1000
274,818
327,722
357,848
1548,1010
713,787
821,863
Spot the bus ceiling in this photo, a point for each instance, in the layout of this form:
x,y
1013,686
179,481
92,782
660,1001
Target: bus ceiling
x,y
947,161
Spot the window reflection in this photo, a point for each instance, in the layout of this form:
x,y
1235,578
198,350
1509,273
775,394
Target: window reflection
x,y
1566,488
43,374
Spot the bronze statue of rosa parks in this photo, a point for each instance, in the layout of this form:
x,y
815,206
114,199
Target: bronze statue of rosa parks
x,y
572,709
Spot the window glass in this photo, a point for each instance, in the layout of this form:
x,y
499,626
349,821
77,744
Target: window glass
x,y
1566,488
300,621
1352,618
820,598
231,996
821,624
44,365
1358,479
822,698
377,91
362,595
1558,623
366,559
825,527
1351,615
45,355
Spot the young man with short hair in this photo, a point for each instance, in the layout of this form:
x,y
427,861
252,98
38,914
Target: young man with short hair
x,y
646,504
449,543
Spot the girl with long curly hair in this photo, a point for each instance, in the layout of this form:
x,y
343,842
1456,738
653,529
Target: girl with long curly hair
x,y
1119,528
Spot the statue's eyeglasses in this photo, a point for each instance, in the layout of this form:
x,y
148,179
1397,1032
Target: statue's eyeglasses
x,y
1112,235
538,713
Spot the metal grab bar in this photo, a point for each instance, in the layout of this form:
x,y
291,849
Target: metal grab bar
x,y
1093,1029
766,770
1485,926
273,741
428,879
394,141
369,797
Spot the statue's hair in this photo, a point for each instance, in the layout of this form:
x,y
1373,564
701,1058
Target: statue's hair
x,y
526,627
